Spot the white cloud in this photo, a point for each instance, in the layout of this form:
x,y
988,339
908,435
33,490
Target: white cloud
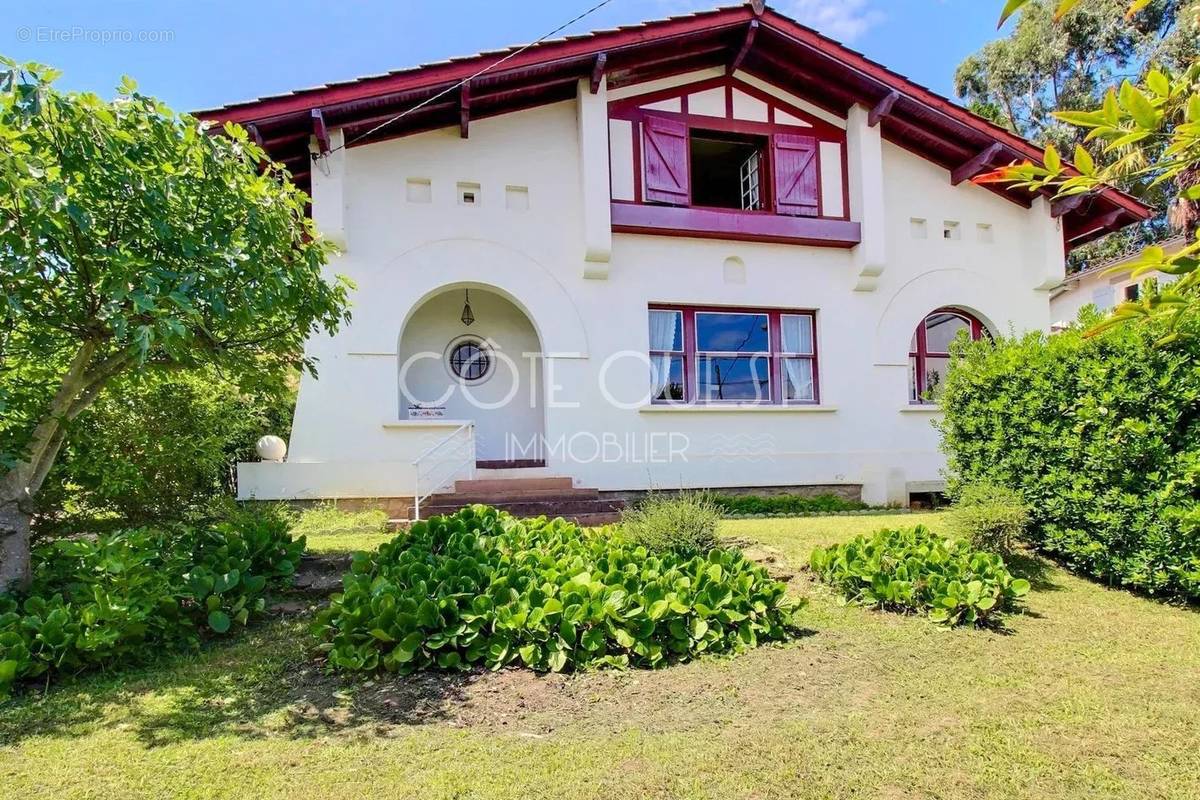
x,y
844,20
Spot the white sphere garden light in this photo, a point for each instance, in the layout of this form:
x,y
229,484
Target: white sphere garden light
x,y
271,448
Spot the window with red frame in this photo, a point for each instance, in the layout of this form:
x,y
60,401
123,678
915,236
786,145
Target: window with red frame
x,y
732,355
929,351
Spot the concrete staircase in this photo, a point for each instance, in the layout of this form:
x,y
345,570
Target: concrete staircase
x,y
528,497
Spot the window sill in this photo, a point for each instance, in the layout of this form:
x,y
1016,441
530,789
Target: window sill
x,y
733,408
753,226
921,408
428,422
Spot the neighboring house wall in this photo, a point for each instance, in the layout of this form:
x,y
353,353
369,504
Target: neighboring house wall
x,y
413,245
1104,286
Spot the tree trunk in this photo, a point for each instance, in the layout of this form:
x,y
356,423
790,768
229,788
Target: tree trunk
x,y
21,484
14,545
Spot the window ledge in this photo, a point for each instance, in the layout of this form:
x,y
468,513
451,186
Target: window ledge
x,y
432,422
753,226
733,408
921,408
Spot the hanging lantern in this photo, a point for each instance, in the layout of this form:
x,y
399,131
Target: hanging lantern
x,y
468,316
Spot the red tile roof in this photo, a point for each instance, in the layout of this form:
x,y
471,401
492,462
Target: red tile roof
x,y
784,52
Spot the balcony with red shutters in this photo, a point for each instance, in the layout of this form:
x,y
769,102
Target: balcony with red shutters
x,y
724,159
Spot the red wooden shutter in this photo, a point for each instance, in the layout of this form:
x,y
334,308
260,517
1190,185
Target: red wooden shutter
x,y
665,143
796,186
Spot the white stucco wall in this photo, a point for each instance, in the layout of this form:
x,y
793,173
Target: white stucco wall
x,y
401,253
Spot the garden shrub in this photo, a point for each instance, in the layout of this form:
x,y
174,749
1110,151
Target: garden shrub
x,y
785,504
917,570
684,523
160,446
482,587
990,516
1101,437
119,597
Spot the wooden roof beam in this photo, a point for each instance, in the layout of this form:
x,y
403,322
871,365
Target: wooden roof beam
x,y
255,136
598,70
1065,205
882,108
320,131
464,110
747,43
1111,221
977,163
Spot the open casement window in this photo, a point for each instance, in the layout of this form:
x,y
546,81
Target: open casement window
x,y
666,155
797,184
730,355
929,351
715,169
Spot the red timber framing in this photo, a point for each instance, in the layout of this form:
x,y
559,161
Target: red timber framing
x,y
760,41
792,196
691,352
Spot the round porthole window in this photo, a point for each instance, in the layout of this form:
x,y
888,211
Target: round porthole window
x,y
469,360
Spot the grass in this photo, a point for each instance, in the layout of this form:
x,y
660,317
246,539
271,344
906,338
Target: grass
x,y
1092,692
330,530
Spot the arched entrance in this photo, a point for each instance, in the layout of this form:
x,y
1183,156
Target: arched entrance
x,y
482,364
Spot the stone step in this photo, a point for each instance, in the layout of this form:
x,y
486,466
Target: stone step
x,y
548,508
511,484
510,496
319,576
482,473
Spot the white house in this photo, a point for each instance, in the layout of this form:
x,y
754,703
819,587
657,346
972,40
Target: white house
x,y
718,250
1105,285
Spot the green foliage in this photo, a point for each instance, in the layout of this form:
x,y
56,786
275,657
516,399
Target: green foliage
x,y
788,504
684,523
989,516
122,596
481,587
1042,65
327,519
1149,134
132,239
161,447
918,570
1100,436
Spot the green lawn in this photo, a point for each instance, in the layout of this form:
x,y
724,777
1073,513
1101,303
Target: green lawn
x,y
1092,693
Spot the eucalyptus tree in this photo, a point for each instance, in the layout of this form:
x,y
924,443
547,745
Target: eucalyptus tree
x,y
1146,130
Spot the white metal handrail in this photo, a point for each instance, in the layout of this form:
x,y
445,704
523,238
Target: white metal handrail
x,y
448,465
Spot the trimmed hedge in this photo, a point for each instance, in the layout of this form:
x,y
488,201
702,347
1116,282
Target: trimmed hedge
x,y
1101,436
123,596
482,587
784,504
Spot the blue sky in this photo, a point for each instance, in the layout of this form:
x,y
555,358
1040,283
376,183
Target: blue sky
x,y
201,53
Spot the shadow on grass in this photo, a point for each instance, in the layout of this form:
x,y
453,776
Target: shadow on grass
x,y
267,684
1033,568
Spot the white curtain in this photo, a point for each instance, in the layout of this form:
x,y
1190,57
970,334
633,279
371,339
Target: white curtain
x,y
797,334
799,373
662,337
